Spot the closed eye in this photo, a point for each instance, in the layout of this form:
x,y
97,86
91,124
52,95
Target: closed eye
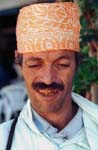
x,y
34,66
64,65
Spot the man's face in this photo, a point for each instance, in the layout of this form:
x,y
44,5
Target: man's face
x,y
48,77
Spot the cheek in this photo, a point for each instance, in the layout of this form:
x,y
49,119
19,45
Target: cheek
x,y
67,76
28,76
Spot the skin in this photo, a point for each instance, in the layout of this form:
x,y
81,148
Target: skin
x,y
48,67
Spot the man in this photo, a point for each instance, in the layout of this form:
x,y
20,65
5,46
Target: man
x,y
54,117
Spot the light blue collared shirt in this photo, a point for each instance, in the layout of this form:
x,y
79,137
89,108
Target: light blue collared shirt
x,y
59,136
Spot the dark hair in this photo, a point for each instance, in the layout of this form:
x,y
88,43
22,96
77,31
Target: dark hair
x,y
19,59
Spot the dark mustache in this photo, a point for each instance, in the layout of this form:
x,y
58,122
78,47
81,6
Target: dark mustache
x,y
52,86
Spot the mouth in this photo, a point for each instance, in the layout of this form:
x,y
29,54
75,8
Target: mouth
x,y
47,92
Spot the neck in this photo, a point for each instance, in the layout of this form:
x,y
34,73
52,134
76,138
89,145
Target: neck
x,y
61,118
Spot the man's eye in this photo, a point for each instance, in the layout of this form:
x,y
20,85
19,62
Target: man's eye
x,y
63,65
33,66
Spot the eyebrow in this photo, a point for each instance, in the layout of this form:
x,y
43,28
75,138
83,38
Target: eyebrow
x,y
64,57
34,59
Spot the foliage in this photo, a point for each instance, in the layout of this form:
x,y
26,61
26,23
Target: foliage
x,y
88,71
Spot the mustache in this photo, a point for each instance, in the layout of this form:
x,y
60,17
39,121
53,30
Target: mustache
x,y
52,86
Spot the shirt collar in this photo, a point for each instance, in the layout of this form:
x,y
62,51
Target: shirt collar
x,y
69,131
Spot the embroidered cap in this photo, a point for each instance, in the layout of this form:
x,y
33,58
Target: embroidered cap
x,y
48,27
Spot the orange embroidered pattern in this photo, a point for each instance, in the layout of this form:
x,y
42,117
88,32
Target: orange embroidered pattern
x,y
48,26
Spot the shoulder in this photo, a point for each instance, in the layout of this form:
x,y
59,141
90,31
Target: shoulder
x,y
4,132
84,103
89,108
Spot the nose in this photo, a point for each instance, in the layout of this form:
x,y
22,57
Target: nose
x,y
48,74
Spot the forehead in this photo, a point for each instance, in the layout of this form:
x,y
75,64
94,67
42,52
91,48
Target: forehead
x,y
50,55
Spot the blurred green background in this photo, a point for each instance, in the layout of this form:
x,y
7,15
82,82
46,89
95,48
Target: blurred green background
x,y
86,79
